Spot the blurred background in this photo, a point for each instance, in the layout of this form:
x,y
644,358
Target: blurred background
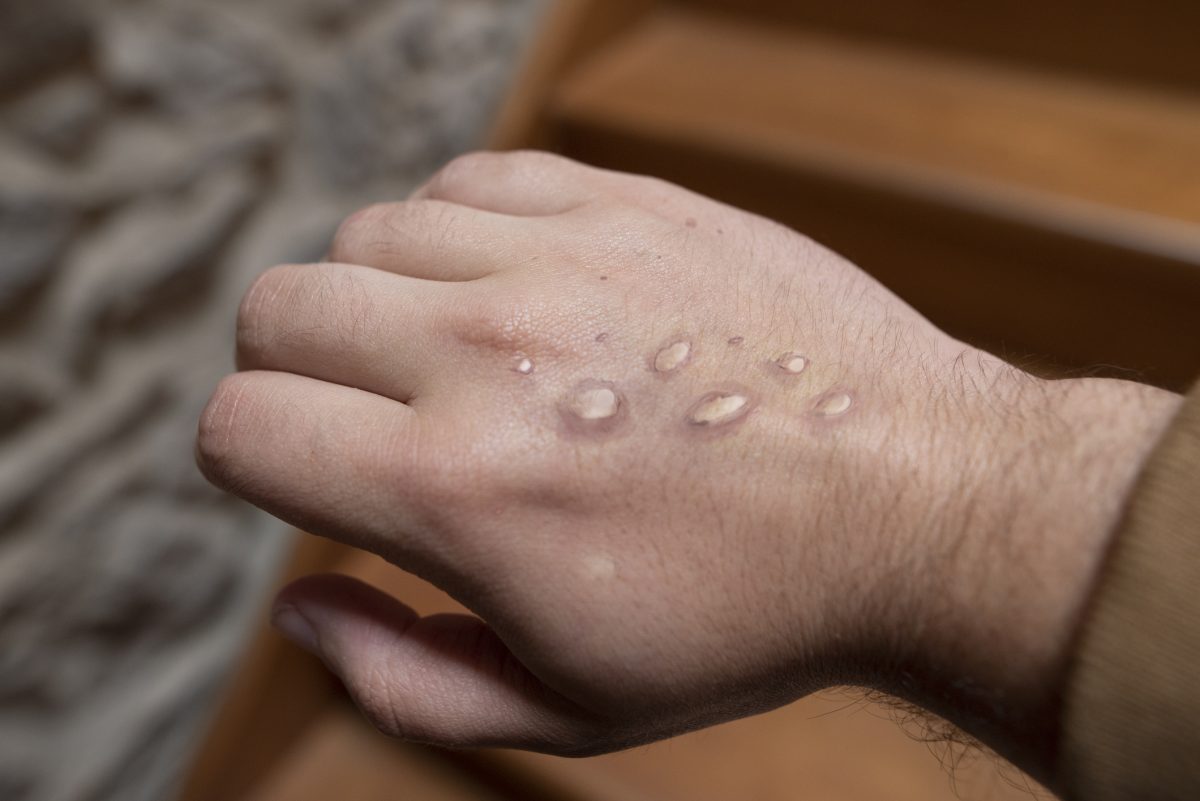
x,y
155,155
1026,174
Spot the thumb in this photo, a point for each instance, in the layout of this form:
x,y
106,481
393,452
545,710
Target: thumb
x,y
444,679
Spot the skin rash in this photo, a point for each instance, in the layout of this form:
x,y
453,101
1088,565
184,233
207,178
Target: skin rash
x,y
598,407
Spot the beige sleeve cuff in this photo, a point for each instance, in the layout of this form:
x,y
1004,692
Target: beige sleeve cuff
x,y
1131,726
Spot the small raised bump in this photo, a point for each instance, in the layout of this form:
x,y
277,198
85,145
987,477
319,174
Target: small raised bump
x,y
593,407
599,567
524,365
672,357
792,363
833,404
597,403
718,408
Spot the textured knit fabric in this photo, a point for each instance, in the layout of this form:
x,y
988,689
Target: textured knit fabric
x,y
1132,715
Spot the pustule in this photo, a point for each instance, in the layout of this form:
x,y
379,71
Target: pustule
x,y
834,403
599,566
524,365
791,363
672,356
719,409
593,406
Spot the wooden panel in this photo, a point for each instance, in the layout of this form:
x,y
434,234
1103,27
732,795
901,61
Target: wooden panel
x,y
1065,269
571,31
339,758
957,126
1142,40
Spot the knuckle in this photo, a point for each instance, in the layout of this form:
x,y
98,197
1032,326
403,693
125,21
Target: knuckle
x,y
359,230
464,168
218,427
499,321
254,312
480,165
537,160
488,323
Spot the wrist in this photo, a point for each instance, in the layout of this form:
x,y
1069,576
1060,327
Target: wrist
x,y
1032,481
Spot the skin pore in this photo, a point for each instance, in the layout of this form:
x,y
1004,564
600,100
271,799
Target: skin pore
x,y
684,464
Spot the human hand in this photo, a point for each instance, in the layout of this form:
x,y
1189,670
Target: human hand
x,y
685,463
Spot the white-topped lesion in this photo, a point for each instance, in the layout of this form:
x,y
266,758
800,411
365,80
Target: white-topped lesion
x,y
833,404
593,406
672,357
792,363
594,403
717,408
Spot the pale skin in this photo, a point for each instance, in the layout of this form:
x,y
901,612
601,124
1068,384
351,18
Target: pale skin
x,y
685,465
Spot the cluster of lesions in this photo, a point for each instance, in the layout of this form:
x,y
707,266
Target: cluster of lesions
x,y
600,406
721,406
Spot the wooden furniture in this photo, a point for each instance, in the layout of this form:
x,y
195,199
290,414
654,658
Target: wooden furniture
x,y
1028,177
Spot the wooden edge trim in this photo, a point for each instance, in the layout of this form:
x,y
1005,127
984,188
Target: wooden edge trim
x,y
568,31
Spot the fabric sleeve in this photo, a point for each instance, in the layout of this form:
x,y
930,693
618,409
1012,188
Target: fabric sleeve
x,y
1131,724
